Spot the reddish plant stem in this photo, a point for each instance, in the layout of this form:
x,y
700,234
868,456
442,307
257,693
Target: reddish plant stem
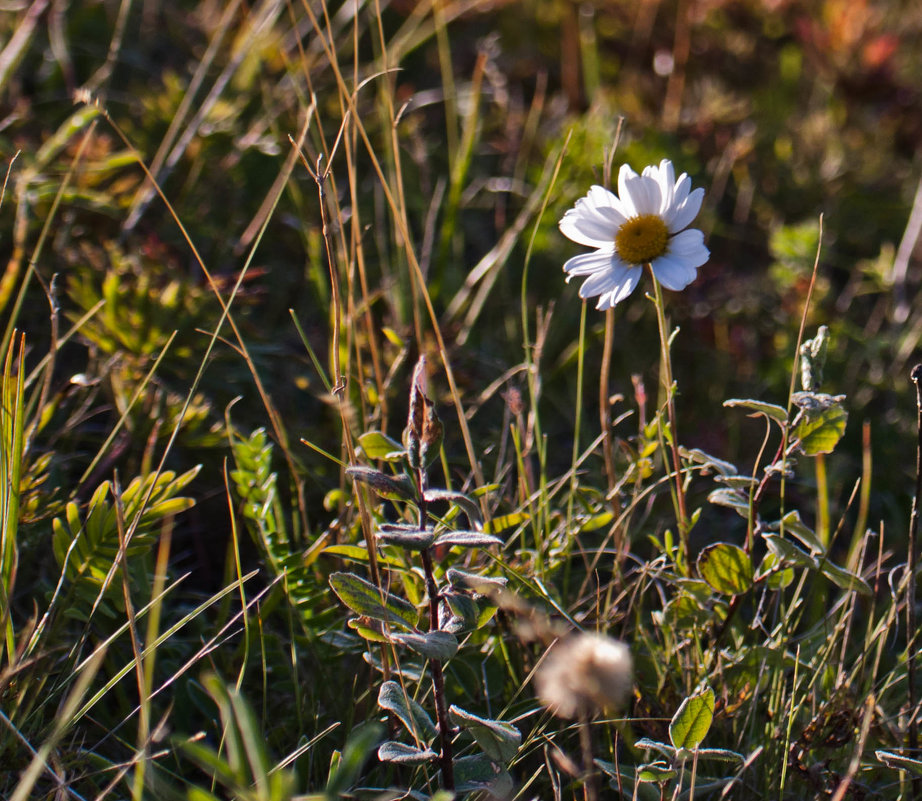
x,y
446,758
911,628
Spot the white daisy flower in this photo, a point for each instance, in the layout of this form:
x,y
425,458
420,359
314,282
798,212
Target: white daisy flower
x,y
645,223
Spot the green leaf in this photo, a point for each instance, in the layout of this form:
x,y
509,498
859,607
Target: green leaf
x,y
415,719
777,579
372,630
441,645
900,762
377,445
727,568
691,722
392,336
658,771
87,548
393,488
596,522
844,578
788,552
771,410
364,598
405,754
467,539
498,524
500,741
795,526
837,575
821,422
345,771
357,553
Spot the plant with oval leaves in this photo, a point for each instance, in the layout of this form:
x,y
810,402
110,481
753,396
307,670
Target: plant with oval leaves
x,y
456,605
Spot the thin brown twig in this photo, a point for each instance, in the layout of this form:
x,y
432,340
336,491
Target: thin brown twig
x,y
913,733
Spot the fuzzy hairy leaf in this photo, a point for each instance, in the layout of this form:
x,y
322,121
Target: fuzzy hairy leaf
x,y
664,748
408,537
900,762
405,754
475,582
459,499
771,410
394,488
441,645
732,498
467,539
415,719
500,741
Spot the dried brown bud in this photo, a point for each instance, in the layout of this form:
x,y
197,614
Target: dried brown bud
x,y
423,435
431,439
514,401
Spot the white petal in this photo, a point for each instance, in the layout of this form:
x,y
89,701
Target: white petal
x,y
665,177
688,246
589,263
626,174
590,224
644,193
682,214
613,285
601,197
673,272
621,290
682,188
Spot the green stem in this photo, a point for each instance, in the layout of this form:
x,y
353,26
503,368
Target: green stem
x,y
668,386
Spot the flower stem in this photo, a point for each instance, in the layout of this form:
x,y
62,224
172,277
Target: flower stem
x,y
590,780
668,387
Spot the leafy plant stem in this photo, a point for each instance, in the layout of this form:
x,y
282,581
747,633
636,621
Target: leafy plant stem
x,y
668,384
446,763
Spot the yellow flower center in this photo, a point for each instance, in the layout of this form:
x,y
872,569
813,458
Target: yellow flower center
x,y
641,239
